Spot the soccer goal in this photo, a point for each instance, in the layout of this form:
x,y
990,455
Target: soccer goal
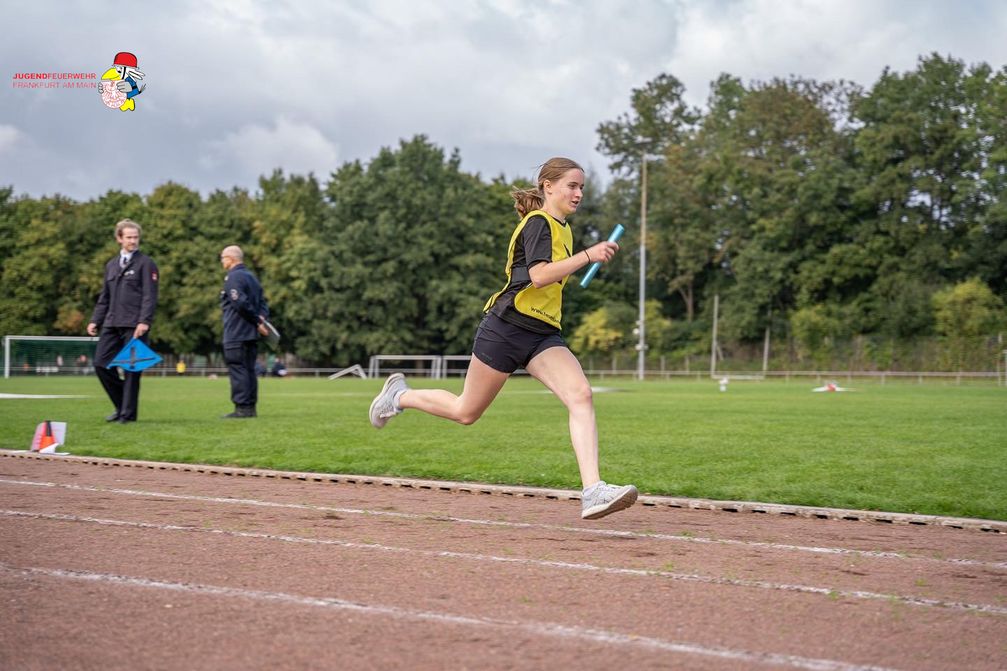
x,y
435,366
429,365
48,355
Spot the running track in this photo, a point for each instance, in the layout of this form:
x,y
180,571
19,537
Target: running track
x,y
105,567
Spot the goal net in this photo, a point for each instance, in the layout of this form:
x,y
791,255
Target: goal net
x,y
48,355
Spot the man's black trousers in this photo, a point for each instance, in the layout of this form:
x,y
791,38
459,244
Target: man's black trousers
x,y
240,360
124,392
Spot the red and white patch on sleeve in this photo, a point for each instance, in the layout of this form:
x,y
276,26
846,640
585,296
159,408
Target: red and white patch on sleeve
x,y
153,276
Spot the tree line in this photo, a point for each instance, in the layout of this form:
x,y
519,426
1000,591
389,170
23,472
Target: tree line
x,y
817,212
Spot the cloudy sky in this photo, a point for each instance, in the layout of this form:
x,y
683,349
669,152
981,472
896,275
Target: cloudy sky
x,y
236,88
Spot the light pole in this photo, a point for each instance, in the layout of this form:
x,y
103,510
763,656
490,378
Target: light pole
x,y
641,347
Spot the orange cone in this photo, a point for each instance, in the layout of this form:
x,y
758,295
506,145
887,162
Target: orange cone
x,y
48,436
47,439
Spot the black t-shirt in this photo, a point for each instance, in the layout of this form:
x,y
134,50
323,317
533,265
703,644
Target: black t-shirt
x,y
533,245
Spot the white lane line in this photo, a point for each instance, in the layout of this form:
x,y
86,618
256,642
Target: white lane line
x,y
574,566
516,525
538,629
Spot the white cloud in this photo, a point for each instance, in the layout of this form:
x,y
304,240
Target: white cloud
x,y
9,136
483,77
255,150
239,87
829,40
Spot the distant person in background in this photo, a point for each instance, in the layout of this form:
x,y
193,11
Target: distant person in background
x,y
125,310
245,312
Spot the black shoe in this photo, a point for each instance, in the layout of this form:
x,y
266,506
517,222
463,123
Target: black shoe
x,y
241,412
113,417
125,420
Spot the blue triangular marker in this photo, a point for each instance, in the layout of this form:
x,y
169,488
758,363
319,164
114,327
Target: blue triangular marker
x,y
135,356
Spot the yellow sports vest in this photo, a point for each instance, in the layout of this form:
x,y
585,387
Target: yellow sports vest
x,y
546,303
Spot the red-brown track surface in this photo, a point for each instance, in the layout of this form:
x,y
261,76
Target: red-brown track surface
x,y
105,567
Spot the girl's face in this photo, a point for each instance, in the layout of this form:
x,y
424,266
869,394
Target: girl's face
x,y
563,196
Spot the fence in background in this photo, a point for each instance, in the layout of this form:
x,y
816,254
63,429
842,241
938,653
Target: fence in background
x,y
69,356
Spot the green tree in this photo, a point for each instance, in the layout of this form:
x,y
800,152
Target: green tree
x,y
966,313
660,118
169,237
289,248
8,223
682,245
613,327
986,236
774,172
931,172
659,330
416,247
815,330
969,309
38,275
224,218
597,333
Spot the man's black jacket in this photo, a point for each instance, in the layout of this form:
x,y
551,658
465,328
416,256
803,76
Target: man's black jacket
x,y
243,305
128,295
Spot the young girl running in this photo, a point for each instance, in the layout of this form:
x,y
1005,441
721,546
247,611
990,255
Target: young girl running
x,y
521,329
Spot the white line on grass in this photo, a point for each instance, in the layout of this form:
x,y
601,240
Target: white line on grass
x,y
538,629
37,396
513,525
574,566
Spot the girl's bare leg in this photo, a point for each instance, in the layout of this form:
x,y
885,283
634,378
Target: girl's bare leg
x,y
558,369
482,384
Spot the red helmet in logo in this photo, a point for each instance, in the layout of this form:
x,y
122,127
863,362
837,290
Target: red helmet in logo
x,y
125,58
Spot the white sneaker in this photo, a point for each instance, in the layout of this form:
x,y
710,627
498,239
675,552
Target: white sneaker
x,y
384,405
602,499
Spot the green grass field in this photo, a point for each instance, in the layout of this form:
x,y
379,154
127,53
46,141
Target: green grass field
x,y
930,449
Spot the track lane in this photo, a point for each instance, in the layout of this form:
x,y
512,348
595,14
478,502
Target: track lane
x,y
519,560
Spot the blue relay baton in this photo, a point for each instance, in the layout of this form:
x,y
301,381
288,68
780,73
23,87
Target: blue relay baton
x,y
593,270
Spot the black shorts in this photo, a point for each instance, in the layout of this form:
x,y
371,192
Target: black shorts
x,y
506,347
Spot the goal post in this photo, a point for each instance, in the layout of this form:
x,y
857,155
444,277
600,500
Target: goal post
x,y
48,355
462,367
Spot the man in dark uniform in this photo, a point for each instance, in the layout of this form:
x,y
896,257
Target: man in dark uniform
x,y
245,312
125,310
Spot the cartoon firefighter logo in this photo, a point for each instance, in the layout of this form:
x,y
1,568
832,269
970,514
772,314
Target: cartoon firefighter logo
x,y
118,85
